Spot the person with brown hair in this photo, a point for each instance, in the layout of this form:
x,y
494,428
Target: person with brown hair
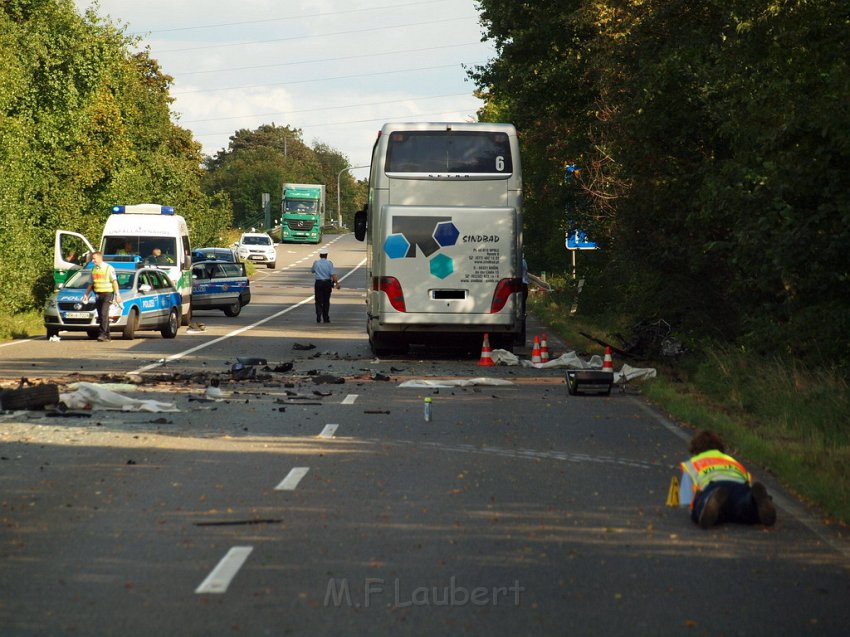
x,y
719,489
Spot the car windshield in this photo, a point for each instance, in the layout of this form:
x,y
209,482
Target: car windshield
x,y
80,280
257,241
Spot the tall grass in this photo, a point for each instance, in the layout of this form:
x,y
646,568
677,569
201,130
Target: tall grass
x,y
23,325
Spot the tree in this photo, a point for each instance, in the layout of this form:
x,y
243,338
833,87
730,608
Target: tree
x,y
84,124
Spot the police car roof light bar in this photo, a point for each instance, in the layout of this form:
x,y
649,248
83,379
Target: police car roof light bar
x,y
143,209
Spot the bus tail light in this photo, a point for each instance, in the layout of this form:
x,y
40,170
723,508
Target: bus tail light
x,y
504,289
392,287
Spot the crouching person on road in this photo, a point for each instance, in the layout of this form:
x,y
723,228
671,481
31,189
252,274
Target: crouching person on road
x,y
719,489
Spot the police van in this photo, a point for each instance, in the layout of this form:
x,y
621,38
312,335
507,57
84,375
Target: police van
x,y
443,231
146,234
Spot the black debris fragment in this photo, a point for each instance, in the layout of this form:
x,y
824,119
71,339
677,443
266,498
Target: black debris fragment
x,y
302,347
380,376
239,371
328,379
239,522
250,360
283,367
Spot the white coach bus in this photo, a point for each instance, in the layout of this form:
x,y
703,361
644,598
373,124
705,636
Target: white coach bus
x,y
443,227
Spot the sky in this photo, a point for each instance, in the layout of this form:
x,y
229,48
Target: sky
x,y
336,69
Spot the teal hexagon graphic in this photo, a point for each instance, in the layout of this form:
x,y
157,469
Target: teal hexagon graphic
x,y
396,246
446,234
442,266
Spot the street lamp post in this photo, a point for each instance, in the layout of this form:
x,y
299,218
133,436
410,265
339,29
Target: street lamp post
x,y
338,205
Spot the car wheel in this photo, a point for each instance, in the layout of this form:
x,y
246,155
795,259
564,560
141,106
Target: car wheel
x,y
233,309
92,333
52,331
132,324
271,266
170,329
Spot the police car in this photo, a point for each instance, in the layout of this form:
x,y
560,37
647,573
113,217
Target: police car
x,y
149,302
220,285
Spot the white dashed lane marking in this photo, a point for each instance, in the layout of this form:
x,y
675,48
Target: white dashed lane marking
x,y
349,400
220,577
292,479
328,431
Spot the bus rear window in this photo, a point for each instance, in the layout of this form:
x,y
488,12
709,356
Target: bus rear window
x,y
448,152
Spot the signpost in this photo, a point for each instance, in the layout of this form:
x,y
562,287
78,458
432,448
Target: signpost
x,y
577,240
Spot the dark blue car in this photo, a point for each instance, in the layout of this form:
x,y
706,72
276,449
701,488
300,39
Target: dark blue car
x,y
220,285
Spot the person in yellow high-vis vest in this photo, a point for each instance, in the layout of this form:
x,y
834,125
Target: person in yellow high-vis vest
x,y
104,283
719,489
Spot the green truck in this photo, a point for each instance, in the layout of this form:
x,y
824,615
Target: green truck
x,y
303,213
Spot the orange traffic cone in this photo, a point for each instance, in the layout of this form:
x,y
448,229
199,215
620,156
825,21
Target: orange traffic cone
x,y
486,359
544,350
607,362
535,351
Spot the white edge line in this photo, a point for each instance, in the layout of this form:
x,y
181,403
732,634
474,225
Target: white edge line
x,y
17,342
224,572
192,350
292,479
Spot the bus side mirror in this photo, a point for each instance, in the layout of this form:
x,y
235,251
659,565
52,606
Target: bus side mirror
x,y
360,225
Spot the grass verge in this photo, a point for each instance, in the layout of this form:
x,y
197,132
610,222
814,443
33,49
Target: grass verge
x,y
790,420
23,325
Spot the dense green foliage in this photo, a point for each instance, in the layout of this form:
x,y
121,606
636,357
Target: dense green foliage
x,y
264,159
714,140
85,123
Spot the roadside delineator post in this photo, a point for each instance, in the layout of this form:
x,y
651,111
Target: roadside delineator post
x,y
486,359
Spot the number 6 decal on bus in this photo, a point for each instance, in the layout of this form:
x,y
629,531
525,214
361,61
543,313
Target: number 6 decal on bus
x,y
500,163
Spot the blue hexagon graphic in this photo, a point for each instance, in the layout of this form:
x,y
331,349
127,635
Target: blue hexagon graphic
x,y
446,234
442,266
396,246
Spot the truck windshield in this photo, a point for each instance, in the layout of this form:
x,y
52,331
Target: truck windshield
x,y
449,152
301,206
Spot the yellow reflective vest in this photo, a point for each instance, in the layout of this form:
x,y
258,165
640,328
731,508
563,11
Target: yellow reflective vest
x,y
711,466
102,278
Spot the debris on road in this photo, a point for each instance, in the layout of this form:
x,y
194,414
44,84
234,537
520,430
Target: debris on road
x,y
302,347
328,379
251,360
93,396
30,396
463,382
239,522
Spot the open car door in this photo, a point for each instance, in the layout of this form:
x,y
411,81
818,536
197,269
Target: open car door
x,y
71,251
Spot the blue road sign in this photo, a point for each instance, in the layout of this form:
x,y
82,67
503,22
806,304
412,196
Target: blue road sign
x,y
577,240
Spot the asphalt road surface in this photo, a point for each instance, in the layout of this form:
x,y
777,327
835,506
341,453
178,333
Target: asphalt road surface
x,y
294,507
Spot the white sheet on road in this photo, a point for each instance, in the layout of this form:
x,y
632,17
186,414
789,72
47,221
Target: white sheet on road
x,y
94,396
462,382
570,360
